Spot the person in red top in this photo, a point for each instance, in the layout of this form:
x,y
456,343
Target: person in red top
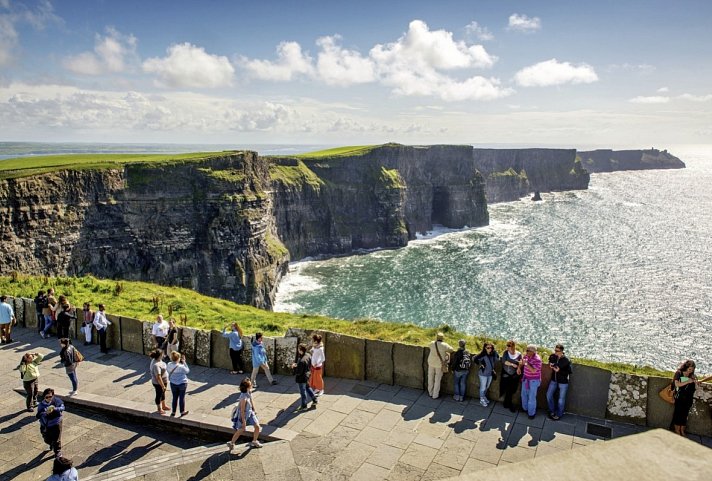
x,y
530,369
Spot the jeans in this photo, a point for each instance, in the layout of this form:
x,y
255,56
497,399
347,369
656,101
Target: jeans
x,y
40,322
305,390
529,389
102,340
460,383
236,358
160,394
178,391
73,377
48,324
485,382
554,407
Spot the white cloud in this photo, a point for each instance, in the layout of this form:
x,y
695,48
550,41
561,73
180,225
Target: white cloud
x,y
112,54
291,62
8,39
192,67
523,23
553,72
473,29
663,90
13,14
696,98
338,66
653,99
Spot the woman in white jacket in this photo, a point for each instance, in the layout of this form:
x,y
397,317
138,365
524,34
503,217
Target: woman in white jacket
x,y
316,380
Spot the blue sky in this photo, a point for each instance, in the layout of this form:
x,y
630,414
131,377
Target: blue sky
x,y
574,74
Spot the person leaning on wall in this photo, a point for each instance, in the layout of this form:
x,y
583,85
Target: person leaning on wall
x,y
437,359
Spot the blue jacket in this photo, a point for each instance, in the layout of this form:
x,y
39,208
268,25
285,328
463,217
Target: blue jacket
x,y
50,419
69,475
235,339
259,354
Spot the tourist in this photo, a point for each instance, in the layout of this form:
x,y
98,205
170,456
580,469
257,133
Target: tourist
x,y
102,324
302,371
316,380
235,340
40,303
65,317
510,379
172,338
530,369
462,364
259,360
159,331
561,369
87,322
30,374
48,312
486,360
63,470
438,358
243,415
685,383
7,319
178,376
70,357
159,378
49,413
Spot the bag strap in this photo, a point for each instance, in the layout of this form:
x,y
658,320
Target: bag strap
x,y
172,371
438,351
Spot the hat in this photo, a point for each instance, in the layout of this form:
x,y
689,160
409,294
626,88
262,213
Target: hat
x,y
461,342
441,336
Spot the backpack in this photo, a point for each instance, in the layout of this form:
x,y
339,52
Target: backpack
x,y
21,366
465,361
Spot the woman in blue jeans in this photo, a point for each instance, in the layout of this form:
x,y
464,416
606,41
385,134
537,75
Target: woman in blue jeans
x,y
462,363
301,366
486,360
178,376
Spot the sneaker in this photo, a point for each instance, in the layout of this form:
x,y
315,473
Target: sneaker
x,y
29,410
483,403
254,385
313,406
274,381
42,334
256,444
230,445
184,413
555,417
531,417
72,393
300,409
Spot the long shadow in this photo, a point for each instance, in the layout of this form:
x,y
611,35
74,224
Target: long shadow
x,y
32,464
108,453
129,457
21,423
213,463
228,401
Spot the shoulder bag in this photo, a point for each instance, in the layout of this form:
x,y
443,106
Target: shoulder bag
x,y
444,362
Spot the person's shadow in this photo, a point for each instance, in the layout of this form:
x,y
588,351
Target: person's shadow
x,y
25,467
19,424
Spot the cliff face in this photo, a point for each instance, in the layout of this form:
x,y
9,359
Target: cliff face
x,y
606,160
204,225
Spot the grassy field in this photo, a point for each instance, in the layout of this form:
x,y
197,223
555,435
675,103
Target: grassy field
x,y
144,301
26,166
337,152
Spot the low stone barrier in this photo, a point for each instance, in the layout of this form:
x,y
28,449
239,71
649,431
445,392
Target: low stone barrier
x,y
379,361
408,366
18,305
285,349
202,348
345,356
187,344
220,350
131,335
588,391
627,398
30,319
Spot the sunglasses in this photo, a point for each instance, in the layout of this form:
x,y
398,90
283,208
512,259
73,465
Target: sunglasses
x,y
48,398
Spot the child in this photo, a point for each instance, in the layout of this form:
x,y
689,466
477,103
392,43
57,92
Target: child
x,y
244,414
259,359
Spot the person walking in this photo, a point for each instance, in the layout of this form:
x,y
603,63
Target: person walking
x,y
462,364
561,370
87,322
244,414
530,369
101,323
486,360
49,413
172,337
685,383
510,379
40,303
159,379
70,358
316,380
259,360
30,374
65,317
301,367
438,359
48,312
7,320
235,339
63,470
178,377
159,331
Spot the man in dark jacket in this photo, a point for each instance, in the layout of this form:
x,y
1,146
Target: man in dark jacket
x,y
64,320
41,303
301,373
561,369
49,412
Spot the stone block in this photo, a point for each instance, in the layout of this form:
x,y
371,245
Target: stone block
x,y
220,351
588,391
628,398
30,320
285,353
269,343
379,361
187,343
700,419
113,333
202,348
247,353
18,305
132,335
659,412
345,356
147,338
408,366
303,335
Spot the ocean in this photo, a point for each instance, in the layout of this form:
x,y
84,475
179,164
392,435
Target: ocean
x,y
621,272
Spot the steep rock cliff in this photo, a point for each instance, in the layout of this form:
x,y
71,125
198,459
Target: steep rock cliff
x,y
204,225
606,160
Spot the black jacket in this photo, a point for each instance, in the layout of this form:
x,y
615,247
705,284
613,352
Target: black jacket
x,y
301,372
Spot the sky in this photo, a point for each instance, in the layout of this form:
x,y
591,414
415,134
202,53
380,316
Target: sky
x,y
609,73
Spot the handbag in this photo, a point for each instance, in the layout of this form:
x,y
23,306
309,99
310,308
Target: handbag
x,y
667,394
445,362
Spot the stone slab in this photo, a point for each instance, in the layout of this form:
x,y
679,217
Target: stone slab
x,y
588,391
132,335
18,305
285,353
345,356
407,371
627,398
202,347
30,318
219,350
379,361
187,343
700,419
146,336
113,332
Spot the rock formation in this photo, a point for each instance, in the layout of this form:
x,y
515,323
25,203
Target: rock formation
x,y
606,160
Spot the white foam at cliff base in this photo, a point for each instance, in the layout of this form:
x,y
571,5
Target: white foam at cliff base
x,y
293,283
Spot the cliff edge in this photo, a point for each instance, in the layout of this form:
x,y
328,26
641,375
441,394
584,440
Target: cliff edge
x,y
606,160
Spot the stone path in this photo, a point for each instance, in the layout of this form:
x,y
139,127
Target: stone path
x,y
361,430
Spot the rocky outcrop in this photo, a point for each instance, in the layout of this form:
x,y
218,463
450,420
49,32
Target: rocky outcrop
x,y
205,225
606,160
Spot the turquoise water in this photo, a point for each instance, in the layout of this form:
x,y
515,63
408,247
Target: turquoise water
x,y
621,272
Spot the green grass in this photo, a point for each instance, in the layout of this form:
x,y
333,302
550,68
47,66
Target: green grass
x,y
295,176
26,166
346,151
510,172
135,299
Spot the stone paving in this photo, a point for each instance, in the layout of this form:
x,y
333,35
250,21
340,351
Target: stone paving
x,y
361,430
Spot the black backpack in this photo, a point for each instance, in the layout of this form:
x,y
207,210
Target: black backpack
x,y
465,361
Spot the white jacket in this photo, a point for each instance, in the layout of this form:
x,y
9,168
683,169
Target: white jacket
x,y
433,359
100,320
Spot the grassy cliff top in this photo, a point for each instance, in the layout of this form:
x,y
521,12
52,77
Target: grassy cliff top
x,y
348,151
26,166
136,300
